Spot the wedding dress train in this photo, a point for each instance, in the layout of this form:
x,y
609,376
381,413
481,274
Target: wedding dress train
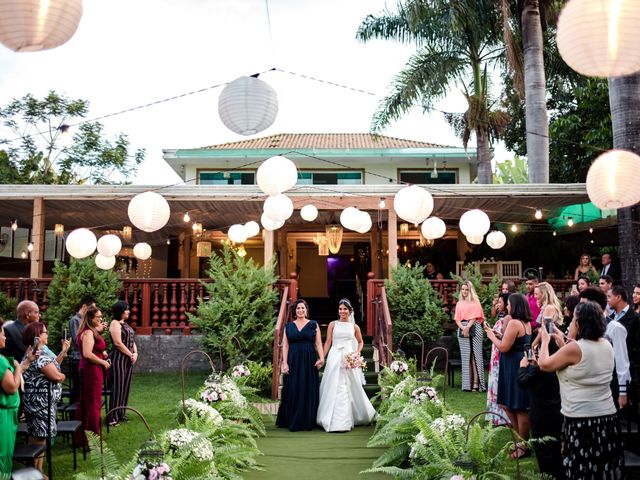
x,y
343,401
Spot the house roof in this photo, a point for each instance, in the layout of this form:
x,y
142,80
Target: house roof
x,y
324,141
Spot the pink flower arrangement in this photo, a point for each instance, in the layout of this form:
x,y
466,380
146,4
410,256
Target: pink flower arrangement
x,y
240,371
213,393
354,360
398,366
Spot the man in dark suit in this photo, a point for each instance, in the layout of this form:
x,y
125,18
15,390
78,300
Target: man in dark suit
x,y
27,312
625,314
608,268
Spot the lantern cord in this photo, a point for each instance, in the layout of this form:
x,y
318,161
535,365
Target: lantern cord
x,y
266,7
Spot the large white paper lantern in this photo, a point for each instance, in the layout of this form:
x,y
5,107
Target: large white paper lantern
x,y
81,243
309,213
142,250
149,211
366,222
237,233
248,105
475,239
613,180
109,245
278,207
474,223
433,228
251,229
269,224
351,218
32,25
600,38
276,175
105,263
413,204
496,239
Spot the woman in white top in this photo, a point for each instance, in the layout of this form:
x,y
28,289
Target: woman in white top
x,y
343,401
592,444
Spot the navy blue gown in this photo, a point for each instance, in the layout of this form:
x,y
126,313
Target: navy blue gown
x,y
301,388
510,393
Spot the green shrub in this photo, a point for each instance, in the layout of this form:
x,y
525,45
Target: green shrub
x,y
414,307
69,284
7,307
260,377
239,318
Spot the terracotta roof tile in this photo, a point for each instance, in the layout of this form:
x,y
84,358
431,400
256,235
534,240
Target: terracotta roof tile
x,y
324,141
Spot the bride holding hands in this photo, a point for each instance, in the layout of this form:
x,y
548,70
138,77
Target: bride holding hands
x,y
343,401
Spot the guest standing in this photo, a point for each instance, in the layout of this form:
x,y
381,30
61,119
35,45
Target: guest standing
x,y
27,312
585,268
494,362
530,285
123,356
592,443
93,360
74,353
583,282
468,316
302,356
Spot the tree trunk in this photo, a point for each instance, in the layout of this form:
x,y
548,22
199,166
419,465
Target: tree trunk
x,y
537,121
485,174
624,98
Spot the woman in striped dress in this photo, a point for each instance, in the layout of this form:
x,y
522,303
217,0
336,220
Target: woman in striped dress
x,y
468,317
123,355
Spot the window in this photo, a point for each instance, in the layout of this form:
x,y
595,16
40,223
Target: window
x,y
330,178
226,178
421,177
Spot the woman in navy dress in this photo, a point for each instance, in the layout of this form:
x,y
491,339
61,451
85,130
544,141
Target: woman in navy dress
x,y
302,357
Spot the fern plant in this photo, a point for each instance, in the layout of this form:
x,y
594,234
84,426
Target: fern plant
x,y
104,463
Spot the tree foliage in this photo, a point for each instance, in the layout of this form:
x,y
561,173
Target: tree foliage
x,y
38,150
512,171
238,319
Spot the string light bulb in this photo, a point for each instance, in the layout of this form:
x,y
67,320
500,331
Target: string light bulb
x,y
514,228
538,214
382,203
23,254
570,222
591,230
186,218
14,225
30,247
554,234
168,241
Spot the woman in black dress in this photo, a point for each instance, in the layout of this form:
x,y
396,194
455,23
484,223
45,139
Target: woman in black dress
x,y
123,356
302,356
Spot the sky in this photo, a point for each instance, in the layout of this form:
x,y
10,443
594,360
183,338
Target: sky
x,y
127,53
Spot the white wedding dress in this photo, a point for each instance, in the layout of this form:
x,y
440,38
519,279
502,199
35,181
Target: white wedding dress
x,y
343,401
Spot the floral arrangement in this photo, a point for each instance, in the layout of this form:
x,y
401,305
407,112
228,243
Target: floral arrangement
x,y
222,388
201,449
240,371
354,360
445,424
398,366
147,471
203,411
422,394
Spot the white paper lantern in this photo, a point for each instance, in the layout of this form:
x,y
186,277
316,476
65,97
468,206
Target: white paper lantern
x,y
269,224
237,233
105,263
278,207
33,25
600,38
309,213
366,222
413,204
81,243
142,250
475,239
251,229
496,239
109,245
474,223
613,180
149,211
248,105
351,218
433,228
276,175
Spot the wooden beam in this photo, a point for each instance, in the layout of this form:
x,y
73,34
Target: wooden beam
x,y
268,247
37,237
392,226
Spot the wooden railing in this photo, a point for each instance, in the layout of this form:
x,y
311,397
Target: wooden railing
x,y
288,295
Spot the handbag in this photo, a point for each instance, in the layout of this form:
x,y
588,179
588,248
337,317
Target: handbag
x,y
471,330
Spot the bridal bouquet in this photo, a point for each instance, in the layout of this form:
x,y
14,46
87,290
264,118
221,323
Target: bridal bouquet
x,y
354,360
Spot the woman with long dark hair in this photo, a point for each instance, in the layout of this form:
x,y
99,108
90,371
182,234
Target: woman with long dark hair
x,y
123,356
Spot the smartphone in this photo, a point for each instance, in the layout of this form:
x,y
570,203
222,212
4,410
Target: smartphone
x,y
529,352
65,334
574,288
36,342
548,322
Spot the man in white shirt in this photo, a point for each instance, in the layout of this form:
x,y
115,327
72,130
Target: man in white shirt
x,y
605,283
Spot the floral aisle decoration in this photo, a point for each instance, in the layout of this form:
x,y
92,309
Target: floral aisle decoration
x,y
149,471
423,393
399,367
199,445
203,411
240,371
353,360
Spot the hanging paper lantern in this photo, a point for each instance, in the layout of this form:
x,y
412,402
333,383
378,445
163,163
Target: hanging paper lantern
x,y
366,222
81,243
248,105
105,263
33,25
276,175
433,228
278,207
251,229
309,213
109,245
474,223
269,224
496,239
237,233
475,239
599,38
350,218
613,179
413,204
149,211
142,250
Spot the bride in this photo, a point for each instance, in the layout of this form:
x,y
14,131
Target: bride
x,y
343,402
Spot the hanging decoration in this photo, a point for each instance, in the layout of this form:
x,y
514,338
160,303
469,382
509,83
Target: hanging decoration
x,y
269,224
404,228
149,211
276,175
333,234
105,262
323,245
413,204
81,243
33,25
278,207
309,213
196,229
241,251
433,228
109,245
366,223
613,179
475,239
203,249
599,38
251,229
474,223
248,105
142,251
496,239
126,232
58,230
237,233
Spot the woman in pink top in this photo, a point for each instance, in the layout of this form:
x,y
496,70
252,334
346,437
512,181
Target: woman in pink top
x,y
468,317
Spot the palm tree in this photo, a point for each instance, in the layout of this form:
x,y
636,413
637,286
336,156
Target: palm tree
x,y
456,41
